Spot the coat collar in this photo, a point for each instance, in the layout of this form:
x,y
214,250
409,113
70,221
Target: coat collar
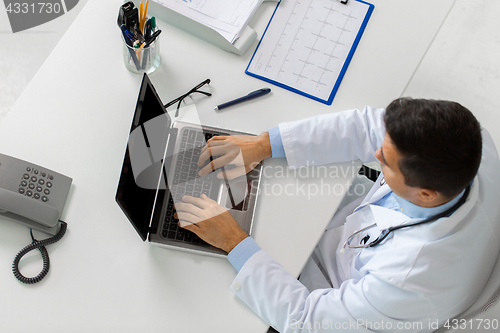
x,y
386,218
376,193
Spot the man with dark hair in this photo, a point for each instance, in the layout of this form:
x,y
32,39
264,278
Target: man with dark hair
x,y
435,135
416,250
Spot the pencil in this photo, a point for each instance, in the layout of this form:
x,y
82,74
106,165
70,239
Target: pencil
x,y
138,51
145,16
141,17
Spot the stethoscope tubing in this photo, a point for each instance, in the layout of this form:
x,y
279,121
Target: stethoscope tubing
x,y
384,233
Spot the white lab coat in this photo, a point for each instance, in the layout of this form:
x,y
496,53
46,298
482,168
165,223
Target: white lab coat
x,y
412,282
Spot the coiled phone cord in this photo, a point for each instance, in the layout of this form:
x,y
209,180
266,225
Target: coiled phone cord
x,y
40,245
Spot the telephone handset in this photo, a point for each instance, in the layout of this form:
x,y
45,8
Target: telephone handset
x,y
32,195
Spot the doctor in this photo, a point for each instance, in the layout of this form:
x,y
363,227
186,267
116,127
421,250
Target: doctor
x,y
440,174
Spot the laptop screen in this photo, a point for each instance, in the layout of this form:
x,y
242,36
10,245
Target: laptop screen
x,y
142,163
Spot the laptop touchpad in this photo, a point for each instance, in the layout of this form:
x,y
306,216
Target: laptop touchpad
x,y
238,194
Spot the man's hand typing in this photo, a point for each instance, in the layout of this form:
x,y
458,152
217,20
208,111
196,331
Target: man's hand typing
x,y
210,221
243,151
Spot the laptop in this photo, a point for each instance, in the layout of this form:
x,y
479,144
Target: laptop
x,y
160,166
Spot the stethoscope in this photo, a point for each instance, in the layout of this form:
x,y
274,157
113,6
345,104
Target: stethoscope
x,y
384,233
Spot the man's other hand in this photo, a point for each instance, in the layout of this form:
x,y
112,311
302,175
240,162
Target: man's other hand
x,y
243,151
209,221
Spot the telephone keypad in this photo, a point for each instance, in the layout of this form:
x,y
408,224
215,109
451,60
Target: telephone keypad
x,y
35,205
41,183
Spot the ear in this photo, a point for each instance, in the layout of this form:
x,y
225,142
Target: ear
x,y
428,197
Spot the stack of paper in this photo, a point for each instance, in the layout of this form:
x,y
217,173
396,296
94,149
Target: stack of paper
x,y
227,17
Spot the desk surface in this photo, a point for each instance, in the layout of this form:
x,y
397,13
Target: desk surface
x,y
74,118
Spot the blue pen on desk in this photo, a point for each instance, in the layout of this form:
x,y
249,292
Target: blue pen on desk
x,y
252,95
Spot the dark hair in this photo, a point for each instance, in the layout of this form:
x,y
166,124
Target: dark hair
x,y
440,142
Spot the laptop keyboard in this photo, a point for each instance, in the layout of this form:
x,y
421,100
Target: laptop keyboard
x,y
186,182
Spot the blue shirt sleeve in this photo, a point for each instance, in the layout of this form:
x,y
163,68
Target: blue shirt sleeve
x,y
242,252
276,142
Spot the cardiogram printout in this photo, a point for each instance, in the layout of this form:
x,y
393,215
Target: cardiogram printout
x,y
308,44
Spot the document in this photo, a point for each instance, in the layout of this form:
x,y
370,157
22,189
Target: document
x,y
308,44
227,17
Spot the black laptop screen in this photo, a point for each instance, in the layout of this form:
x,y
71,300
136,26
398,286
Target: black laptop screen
x,y
143,157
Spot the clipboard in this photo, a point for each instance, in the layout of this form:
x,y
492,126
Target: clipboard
x,y
308,45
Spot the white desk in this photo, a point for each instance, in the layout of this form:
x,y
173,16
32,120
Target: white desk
x,y
74,117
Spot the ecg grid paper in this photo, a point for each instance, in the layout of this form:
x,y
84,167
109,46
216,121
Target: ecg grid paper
x,y
306,45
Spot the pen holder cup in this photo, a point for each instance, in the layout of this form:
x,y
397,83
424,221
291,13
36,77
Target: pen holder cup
x,y
142,60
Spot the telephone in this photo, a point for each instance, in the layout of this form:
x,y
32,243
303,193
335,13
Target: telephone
x,y
32,195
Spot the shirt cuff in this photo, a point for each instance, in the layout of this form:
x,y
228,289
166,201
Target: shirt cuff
x,y
242,252
276,143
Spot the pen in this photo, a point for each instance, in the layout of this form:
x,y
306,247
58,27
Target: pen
x,y
127,34
252,95
130,42
138,35
146,44
152,38
147,29
153,23
147,36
